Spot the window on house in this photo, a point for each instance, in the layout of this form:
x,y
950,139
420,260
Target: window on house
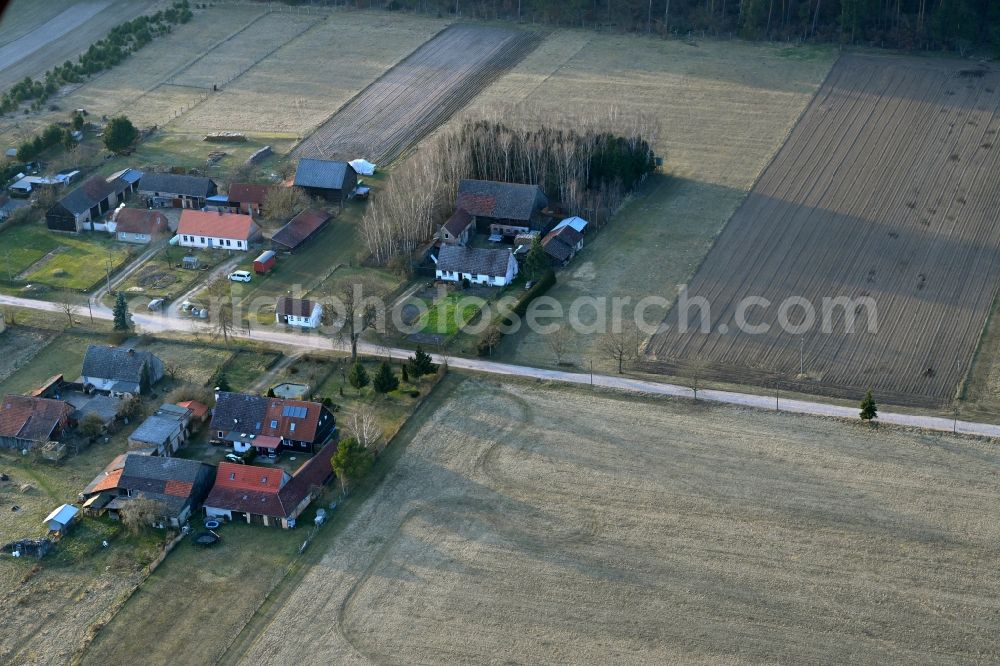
x,y
274,424
292,427
263,480
220,434
232,476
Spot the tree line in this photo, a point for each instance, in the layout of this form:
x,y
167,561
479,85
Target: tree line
x,y
588,164
952,25
123,40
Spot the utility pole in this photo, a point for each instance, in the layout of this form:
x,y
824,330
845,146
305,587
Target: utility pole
x,y
776,407
90,308
802,344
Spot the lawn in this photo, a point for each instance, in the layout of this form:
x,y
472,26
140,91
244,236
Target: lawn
x,y
447,315
64,356
161,276
189,363
38,256
247,366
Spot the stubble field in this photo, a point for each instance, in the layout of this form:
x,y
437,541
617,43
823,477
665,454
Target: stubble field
x,y
533,524
419,93
886,190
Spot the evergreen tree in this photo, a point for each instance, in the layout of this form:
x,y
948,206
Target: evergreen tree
x,y
421,363
405,374
122,319
222,383
536,262
385,379
120,134
351,461
869,410
358,376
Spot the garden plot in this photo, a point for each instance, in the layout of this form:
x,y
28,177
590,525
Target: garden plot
x,y
887,189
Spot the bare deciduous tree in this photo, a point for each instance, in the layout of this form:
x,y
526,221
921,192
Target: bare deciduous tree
x,y
220,302
281,203
619,346
364,427
361,311
559,342
141,512
68,306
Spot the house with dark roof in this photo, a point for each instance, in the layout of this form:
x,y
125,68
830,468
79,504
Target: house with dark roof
x,y
248,198
268,496
120,371
503,209
493,267
174,190
27,421
299,229
270,425
332,180
458,228
226,231
179,486
8,206
84,208
298,312
562,244
163,432
138,225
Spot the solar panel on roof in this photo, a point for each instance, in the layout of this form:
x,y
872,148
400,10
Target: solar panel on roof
x,y
294,412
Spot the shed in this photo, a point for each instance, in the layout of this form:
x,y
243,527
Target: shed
x,y
265,262
190,262
59,520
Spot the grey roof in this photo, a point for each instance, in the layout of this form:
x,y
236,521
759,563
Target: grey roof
x,y
105,406
120,364
160,469
474,260
327,174
156,430
502,201
91,193
173,183
239,412
296,307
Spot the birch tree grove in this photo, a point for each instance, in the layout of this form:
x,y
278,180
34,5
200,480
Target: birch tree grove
x,y
587,164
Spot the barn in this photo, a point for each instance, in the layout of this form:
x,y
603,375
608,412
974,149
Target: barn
x,y
332,180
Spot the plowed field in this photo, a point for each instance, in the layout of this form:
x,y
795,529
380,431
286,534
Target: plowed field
x,y
886,189
418,94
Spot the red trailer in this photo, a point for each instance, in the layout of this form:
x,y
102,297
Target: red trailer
x,y
264,262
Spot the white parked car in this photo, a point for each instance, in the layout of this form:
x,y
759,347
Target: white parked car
x,y
240,276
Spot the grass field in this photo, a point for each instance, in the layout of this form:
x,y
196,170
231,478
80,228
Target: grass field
x,y
445,317
62,356
885,190
38,256
520,526
724,109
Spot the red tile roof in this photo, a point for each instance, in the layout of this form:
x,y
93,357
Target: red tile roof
x,y
234,226
141,221
249,477
109,482
31,418
177,488
248,193
198,410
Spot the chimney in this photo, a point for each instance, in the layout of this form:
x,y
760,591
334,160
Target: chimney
x,y
131,352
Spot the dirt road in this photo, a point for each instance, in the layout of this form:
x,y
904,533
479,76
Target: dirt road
x,y
154,323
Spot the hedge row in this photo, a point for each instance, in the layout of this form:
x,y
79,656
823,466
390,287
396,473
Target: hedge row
x,y
492,336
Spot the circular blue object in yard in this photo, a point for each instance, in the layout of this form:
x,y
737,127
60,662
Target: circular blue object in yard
x,y
212,524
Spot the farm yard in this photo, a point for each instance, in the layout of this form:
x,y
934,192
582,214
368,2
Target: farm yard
x,y
418,94
886,189
724,109
518,526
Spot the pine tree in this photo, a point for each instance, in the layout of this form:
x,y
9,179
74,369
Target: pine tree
x,y
385,380
421,363
120,134
405,374
869,410
351,461
358,376
536,262
121,312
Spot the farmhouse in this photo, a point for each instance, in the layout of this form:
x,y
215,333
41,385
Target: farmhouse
x,y
332,180
298,312
228,231
270,424
266,495
83,208
179,486
27,422
176,190
562,244
138,225
248,198
477,265
163,432
457,229
301,228
505,209
120,371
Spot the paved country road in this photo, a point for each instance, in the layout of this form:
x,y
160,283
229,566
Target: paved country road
x,y
158,323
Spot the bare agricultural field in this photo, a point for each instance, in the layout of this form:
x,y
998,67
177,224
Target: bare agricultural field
x,y
724,109
533,524
886,190
419,93
296,88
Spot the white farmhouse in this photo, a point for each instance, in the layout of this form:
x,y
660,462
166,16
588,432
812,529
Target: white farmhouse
x,y
224,231
496,268
298,312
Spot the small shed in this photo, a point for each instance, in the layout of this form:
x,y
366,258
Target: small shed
x,y
265,262
59,520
